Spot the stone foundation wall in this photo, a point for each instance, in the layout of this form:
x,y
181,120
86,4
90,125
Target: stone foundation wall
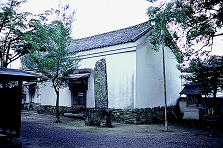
x,y
48,109
144,115
30,106
126,116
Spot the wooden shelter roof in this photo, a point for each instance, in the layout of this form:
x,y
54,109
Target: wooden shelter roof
x,y
192,89
16,74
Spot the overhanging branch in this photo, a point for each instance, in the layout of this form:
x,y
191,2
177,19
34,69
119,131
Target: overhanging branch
x,y
218,34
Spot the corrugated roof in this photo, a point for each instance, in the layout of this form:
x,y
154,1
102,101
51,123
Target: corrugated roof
x,y
192,89
121,36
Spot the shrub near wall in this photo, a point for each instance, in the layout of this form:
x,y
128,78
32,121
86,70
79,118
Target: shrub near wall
x,y
99,117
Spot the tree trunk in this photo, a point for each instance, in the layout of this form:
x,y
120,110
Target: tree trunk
x,y
3,63
57,107
216,100
57,102
215,88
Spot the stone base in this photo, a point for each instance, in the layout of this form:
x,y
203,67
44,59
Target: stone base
x,y
99,117
145,115
192,113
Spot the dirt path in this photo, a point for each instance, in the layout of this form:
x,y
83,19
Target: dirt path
x,y
40,130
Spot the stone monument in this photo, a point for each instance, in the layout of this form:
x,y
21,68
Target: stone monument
x,y
100,84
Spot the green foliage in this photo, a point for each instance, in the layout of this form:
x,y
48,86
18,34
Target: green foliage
x,y
208,72
189,21
54,62
16,32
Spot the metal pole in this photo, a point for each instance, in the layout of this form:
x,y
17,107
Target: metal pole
x,y
164,81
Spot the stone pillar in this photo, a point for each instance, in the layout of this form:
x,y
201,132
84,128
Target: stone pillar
x,y
100,84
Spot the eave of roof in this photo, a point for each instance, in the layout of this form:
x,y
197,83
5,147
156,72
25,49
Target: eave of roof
x,y
16,74
121,36
192,89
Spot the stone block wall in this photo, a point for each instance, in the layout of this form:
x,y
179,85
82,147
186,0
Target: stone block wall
x,y
104,117
48,109
144,115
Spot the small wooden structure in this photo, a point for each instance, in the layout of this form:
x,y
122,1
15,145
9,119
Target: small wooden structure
x,y
193,108
193,92
10,102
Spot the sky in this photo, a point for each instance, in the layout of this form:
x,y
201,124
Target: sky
x,y
93,17
96,16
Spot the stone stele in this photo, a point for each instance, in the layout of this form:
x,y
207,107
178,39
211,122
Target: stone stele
x,y
100,84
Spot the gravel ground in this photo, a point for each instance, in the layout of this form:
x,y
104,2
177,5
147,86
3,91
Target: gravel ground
x,y
40,131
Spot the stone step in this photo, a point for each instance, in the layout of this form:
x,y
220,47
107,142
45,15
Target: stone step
x,y
71,115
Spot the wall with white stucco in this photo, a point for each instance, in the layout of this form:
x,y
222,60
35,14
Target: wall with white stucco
x,y
149,81
149,76
121,74
48,95
90,102
134,77
173,80
32,98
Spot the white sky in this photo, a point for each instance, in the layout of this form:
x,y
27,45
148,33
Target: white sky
x,y
96,16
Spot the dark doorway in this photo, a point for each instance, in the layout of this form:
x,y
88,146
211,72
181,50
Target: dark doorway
x,y
79,97
79,92
78,84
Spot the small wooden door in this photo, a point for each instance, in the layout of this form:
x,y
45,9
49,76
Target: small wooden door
x,y
79,97
79,92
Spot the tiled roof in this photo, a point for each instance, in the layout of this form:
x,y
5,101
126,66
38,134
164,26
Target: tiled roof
x,y
121,36
192,89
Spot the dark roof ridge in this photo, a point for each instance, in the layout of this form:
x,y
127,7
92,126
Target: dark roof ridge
x,y
110,32
120,36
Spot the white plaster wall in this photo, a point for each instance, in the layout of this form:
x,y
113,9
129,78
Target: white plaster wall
x,y
48,95
149,81
173,80
90,102
26,91
36,98
15,64
135,77
65,97
121,74
121,69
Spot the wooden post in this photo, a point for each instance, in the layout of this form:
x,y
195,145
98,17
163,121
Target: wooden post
x,y
19,108
164,81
